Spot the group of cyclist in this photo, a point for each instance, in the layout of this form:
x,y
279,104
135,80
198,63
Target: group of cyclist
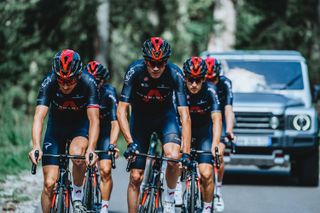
x,y
189,108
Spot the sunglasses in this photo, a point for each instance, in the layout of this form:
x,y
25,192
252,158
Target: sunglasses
x,y
68,82
192,79
154,64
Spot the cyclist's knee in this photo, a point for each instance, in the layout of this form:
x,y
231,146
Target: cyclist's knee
x,y
105,173
78,163
49,184
173,155
206,175
135,178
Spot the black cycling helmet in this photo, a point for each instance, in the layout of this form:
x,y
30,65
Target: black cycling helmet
x,y
195,67
214,67
98,71
67,65
156,49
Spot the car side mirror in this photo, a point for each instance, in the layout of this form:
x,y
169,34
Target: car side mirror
x,y
316,92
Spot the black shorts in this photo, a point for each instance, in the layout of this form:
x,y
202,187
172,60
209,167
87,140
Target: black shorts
x,y
202,140
142,125
103,142
57,134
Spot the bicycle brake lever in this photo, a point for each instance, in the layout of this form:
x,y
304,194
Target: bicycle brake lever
x,y
34,166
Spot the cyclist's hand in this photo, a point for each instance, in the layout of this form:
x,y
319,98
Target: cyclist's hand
x,y
131,149
229,137
94,159
113,148
186,160
32,157
213,150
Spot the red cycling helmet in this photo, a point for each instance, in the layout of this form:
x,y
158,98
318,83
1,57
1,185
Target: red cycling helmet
x,y
195,67
98,71
214,68
67,65
156,49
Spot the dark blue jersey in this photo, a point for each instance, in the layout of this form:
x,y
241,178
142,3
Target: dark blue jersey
x,y
225,94
202,104
146,94
108,105
68,107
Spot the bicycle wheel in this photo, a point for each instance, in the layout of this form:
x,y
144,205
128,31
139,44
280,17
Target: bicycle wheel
x,y
88,199
97,193
190,196
58,204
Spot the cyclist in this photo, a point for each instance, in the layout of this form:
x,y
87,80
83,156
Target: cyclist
x,y
205,115
73,115
225,95
109,129
148,87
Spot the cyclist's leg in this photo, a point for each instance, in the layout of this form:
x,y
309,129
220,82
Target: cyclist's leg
x,y
78,146
79,142
105,167
140,129
222,147
49,164
50,176
203,137
170,136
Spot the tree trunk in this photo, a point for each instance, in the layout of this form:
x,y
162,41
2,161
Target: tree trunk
x,y
224,16
103,26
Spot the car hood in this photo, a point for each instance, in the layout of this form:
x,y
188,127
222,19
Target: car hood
x,y
264,100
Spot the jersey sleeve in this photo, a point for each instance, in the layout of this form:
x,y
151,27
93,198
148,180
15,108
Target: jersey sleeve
x,y
44,96
112,96
215,103
228,92
128,84
180,89
93,96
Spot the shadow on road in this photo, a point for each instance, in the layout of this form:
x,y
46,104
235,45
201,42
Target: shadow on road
x,y
259,177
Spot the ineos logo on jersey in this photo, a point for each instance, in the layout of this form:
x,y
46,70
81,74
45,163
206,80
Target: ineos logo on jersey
x,y
113,98
162,86
129,74
180,75
46,82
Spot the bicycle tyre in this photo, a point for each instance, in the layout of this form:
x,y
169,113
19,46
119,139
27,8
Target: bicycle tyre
x,y
61,201
88,198
151,205
192,191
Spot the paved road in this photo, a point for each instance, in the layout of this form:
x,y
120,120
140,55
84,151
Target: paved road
x,y
246,190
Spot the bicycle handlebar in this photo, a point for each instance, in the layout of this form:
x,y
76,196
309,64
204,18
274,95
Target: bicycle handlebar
x,y
34,166
130,159
113,158
232,143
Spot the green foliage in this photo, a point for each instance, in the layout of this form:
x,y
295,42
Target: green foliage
x,y
281,24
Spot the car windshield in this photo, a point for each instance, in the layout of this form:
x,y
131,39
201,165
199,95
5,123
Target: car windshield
x,y
261,76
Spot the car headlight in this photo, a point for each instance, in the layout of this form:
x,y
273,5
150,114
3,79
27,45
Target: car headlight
x,y
300,122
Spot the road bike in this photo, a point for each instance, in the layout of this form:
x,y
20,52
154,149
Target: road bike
x,y
61,199
150,200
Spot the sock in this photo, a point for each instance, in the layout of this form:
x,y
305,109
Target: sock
x,y
104,206
77,193
219,185
207,207
169,196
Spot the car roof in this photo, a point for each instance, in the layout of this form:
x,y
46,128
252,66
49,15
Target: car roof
x,y
257,55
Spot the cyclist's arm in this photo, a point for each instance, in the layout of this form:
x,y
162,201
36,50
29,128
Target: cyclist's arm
x,y
115,130
216,128
186,128
229,116
94,122
123,120
39,115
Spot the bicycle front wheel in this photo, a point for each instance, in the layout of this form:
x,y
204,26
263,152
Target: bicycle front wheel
x,y
88,198
60,202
